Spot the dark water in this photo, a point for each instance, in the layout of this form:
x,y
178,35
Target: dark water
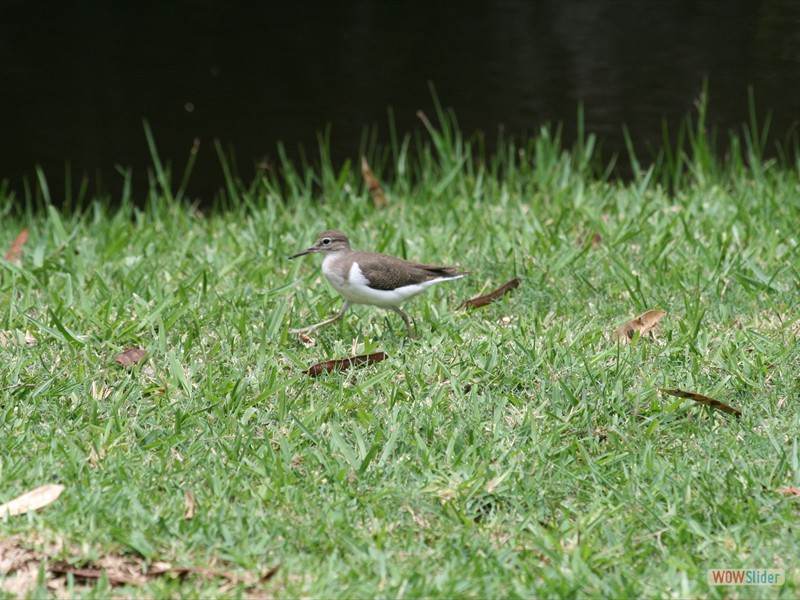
x,y
78,77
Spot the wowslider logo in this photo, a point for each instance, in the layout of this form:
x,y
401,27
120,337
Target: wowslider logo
x,y
745,577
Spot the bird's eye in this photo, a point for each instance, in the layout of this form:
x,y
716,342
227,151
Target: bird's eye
x,y
326,242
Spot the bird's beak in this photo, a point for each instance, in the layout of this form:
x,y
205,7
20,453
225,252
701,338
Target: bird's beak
x,y
303,252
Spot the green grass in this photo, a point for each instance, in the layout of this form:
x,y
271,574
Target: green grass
x,y
513,451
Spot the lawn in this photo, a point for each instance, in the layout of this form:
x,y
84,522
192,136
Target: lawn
x,y
515,450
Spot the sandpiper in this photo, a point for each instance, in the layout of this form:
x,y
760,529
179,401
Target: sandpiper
x,y
372,278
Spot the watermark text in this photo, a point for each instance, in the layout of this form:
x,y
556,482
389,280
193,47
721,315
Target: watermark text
x,y
745,577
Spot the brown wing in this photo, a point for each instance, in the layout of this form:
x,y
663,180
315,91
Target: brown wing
x,y
389,273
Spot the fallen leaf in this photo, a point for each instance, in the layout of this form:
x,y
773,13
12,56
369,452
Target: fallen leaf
x,y
130,357
14,253
644,323
189,504
33,500
479,301
340,364
712,402
789,491
375,189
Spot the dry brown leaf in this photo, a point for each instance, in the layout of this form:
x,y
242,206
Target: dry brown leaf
x,y
789,491
14,253
479,301
189,504
130,357
33,500
340,364
644,323
375,189
712,402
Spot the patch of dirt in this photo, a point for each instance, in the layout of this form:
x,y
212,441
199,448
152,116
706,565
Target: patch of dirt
x,y
22,559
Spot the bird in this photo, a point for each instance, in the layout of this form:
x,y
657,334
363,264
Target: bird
x,y
371,278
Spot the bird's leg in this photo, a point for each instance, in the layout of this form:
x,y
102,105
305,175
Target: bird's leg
x,y
406,319
311,328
